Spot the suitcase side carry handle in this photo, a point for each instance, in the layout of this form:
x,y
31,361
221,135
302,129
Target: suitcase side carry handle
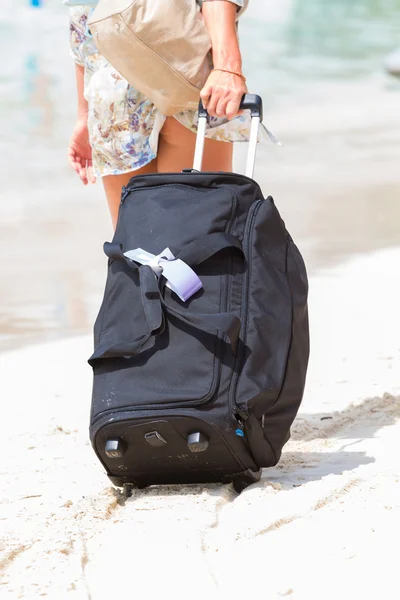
x,y
251,102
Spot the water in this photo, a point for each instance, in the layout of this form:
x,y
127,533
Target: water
x,y
318,66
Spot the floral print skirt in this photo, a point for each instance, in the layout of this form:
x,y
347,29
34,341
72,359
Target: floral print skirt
x,y
123,124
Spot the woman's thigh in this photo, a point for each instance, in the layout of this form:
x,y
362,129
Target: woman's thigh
x,y
113,185
176,150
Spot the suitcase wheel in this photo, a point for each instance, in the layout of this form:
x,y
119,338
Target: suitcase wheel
x,y
246,478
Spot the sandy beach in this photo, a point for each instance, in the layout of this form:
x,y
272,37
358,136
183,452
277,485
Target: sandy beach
x,y
322,521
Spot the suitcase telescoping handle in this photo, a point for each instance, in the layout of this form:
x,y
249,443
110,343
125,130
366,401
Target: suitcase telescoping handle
x,y
249,101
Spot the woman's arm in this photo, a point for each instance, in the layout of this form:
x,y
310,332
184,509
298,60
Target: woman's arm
x,y
223,91
82,102
79,150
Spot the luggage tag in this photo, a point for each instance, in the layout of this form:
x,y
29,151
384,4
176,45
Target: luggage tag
x,y
181,279
270,135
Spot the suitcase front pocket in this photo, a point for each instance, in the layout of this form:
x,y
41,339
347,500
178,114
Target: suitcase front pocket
x,y
153,350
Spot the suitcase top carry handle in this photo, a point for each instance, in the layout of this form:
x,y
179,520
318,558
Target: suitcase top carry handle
x,y
251,102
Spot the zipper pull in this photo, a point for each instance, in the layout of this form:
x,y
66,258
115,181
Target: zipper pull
x,y
125,193
243,416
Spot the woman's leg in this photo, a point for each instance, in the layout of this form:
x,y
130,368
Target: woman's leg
x,y
113,187
176,150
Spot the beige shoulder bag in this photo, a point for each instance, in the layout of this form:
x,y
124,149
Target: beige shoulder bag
x,y
161,47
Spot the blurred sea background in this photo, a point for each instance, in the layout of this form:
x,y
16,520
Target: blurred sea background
x,y
319,66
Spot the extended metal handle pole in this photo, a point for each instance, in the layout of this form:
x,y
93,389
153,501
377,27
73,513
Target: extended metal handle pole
x,y
249,101
200,139
251,154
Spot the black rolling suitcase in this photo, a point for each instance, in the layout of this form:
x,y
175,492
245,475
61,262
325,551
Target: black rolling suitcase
x,y
201,342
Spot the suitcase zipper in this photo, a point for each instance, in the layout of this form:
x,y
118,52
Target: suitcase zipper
x,y
126,190
193,172
236,410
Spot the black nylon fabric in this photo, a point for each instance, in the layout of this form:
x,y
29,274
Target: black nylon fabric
x,y
234,356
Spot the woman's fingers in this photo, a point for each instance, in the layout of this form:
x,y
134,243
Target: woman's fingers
x,y
232,108
212,104
76,163
80,153
72,159
90,173
86,172
82,170
84,175
81,166
222,103
205,95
